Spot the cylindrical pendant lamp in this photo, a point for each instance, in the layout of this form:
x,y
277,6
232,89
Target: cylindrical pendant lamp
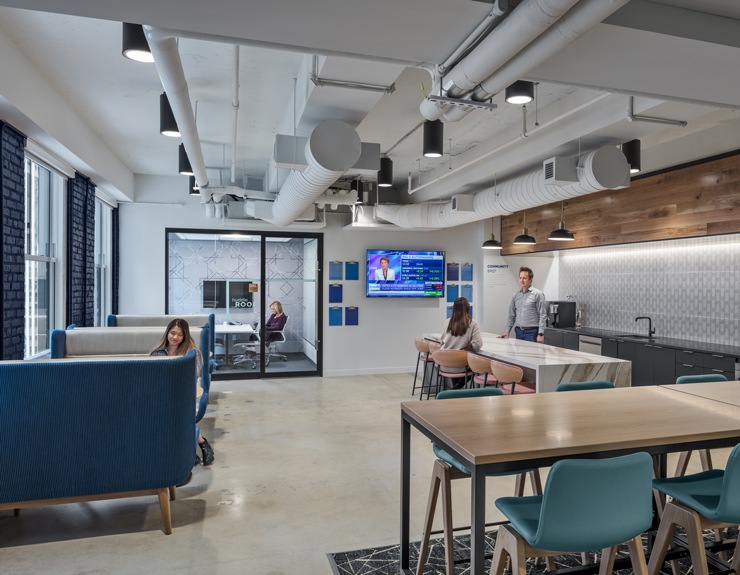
x,y
520,92
184,162
167,123
434,133
194,190
135,47
631,151
385,174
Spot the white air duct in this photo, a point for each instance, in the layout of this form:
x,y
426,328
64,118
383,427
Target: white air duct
x,y
602,169
333,148
525,23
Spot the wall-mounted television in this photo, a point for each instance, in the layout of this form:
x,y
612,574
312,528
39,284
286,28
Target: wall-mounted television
x,y
403,273
214,294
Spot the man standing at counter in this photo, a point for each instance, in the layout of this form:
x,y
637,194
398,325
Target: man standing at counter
x,y
527,310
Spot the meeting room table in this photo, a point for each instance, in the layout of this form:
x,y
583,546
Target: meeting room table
x,y
509,433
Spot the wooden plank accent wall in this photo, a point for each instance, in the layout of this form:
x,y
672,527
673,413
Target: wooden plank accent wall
x,y
699,200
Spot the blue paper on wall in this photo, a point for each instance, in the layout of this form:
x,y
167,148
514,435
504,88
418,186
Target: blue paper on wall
x,y
452,291
350,316
453,272
467,273
335,293
471,311
352,270
467,292
449,311
335,316
335,270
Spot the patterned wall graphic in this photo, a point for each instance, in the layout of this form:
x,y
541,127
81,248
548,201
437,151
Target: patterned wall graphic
x,y
689,287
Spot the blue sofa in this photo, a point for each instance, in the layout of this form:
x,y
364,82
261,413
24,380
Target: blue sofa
x,y
194,320
105,406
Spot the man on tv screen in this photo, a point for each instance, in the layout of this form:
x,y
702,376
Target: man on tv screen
x,y
385,273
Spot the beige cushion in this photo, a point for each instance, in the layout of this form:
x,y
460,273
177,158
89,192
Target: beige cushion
x,y
117,341
194,320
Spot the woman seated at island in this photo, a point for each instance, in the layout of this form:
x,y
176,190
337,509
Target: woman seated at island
x,y
177,341
275,324
385,273
460,332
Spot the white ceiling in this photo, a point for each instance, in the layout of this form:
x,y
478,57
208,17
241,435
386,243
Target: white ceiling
x,y
727,8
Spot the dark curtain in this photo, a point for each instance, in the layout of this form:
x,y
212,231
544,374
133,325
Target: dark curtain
x,y
114,262
80,251
12,250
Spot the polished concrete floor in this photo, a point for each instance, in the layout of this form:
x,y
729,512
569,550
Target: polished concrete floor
x,y
304,467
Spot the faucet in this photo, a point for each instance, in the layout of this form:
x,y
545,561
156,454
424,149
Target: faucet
x,y
651,331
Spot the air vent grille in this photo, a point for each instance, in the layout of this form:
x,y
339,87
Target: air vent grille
x,y
549,170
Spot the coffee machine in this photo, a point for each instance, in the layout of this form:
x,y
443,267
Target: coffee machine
x,y
561,313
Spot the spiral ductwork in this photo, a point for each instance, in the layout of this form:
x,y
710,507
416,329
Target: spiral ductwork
x,y
602,169
333,148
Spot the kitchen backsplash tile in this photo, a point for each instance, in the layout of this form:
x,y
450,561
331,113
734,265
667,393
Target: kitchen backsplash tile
x,y
689,287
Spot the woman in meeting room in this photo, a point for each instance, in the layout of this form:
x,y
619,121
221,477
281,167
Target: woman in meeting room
x,y
460,332
276,323
385,273
177,341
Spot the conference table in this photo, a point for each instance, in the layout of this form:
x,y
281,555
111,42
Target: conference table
x,y
229,329
509,433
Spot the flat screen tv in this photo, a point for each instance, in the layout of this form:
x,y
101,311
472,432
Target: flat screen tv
x,y
403,273
214,294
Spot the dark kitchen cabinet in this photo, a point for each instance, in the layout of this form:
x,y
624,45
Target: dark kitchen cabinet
x,y
609,347
626,350
688,369
664,372
643,365
570,340
554,337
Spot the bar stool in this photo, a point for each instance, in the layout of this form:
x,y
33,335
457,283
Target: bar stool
x,y
422,347
445,360
447,469
481,368
433,346
706,500
511,375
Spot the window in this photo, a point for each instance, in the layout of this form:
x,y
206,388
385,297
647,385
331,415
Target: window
x,y
44,201
103,216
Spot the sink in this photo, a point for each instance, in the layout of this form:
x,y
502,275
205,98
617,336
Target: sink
x,y
631,336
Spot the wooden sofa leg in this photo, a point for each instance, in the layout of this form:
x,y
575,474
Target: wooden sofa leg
x,y
164,506
16,512
173,493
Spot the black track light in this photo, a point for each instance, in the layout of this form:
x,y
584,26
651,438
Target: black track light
x,y
385,174
493,243
194,189
167,122
135,47
631,151
434,134
524,238
520,92
184,163
561,234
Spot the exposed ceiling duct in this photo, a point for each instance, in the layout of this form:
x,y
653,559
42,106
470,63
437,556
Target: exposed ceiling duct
x,y
525,23
584,16
332,149
602,169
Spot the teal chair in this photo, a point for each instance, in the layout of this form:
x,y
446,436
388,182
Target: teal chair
x,y
706,457
587,504
447,469
706,500
584,385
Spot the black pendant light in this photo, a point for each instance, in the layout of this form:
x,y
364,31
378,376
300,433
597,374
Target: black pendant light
x,y
385,175
520,92
358,187
184,163
167,122
194,190
493,243
524,238
631,151
135,47
561,234
434,134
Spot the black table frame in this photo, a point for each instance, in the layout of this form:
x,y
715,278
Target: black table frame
x,y
478,489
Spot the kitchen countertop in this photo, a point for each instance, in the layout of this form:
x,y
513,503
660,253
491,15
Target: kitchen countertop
x,y
702,347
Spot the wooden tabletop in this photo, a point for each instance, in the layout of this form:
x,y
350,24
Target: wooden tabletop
x,y
521,427
723,391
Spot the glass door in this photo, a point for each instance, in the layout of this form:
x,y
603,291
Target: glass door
x,y
290,329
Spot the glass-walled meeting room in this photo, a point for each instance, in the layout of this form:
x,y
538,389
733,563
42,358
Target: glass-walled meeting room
x,y
264,291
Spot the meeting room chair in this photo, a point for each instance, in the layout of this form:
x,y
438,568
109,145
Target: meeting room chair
x,y
706,500
481,368
584,385
448,362
422,349
446,469
433,346
587,504
271,350
248,350
511,376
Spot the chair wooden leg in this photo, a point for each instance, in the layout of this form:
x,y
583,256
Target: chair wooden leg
x,y
164,506
519,485
706,459
416,374
509,542
657,495
683,463
550,563
447,520
534,478
16,512
637,556
429,518
608,556
173,493
692,525
586,558
500,555
663,540
736,556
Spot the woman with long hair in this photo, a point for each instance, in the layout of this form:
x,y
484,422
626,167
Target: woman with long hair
x,y
275,323
461,332
177,341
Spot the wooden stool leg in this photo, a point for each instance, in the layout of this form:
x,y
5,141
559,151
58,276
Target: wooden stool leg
x,y
173,493
706,459
509,542
692,524
500,555
447,519
637,556
519,485
416,374
736,557
608,556
534,478
550,563
586,558
16,512
683,463
164,506
429,518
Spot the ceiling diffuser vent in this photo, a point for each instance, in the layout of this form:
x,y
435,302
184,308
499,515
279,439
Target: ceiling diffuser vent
x,y
560,171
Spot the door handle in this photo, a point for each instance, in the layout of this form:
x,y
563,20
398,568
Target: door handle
x,y
687,365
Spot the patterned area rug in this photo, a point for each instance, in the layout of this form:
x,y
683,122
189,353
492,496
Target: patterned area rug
x,y
385,560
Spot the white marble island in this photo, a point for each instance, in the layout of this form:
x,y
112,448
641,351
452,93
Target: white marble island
x,y
549,366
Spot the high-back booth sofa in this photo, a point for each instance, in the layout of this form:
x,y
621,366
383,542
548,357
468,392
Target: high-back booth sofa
x,y
194,320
